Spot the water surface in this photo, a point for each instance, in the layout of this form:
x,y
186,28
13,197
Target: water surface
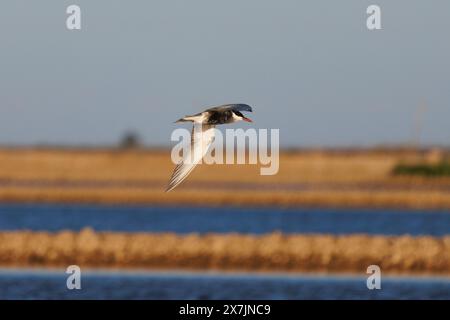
x,y
223,219
153,285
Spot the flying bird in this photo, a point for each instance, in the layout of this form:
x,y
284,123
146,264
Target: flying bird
x,y
203,135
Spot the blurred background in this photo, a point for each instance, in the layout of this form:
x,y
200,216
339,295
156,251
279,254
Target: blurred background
x,y
85,125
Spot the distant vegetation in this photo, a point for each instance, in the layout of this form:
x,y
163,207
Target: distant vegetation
x,y
130,140
361,179
441,169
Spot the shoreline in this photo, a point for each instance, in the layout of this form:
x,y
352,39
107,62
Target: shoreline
x,y
431,200
61,271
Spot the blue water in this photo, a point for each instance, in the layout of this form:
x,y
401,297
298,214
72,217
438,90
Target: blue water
x,y
123,285
203,220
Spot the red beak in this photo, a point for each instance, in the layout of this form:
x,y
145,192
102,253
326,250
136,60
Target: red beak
x,y
246,119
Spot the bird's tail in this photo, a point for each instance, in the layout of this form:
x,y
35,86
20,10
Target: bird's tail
x,y
189,118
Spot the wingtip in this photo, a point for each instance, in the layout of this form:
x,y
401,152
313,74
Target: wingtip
x,y
247,107
170,187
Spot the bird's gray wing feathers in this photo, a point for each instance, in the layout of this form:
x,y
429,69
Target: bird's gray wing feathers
x,y
201,138
237,107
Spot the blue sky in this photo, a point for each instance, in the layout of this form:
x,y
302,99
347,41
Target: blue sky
x,y
310,68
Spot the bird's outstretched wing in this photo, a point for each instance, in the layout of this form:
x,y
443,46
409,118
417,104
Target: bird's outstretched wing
x,y
237,107
201,138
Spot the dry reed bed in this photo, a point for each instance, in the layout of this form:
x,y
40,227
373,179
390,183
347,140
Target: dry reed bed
x,y
147,165
271,252
344,171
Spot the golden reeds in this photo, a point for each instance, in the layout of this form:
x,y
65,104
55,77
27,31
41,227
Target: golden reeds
x,y
270,252
313,178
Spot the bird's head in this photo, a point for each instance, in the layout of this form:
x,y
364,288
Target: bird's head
x,y
239,116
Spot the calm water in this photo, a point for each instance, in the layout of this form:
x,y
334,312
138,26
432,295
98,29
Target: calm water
x,y
122,285
202,220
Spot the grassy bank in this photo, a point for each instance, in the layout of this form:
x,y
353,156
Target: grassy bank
x,y
271,252
441,169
